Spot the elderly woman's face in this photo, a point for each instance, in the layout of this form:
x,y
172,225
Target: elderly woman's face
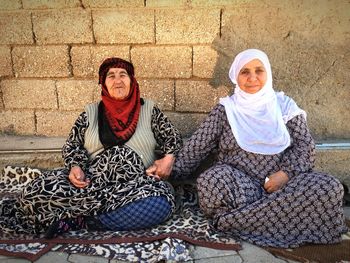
x,y
118,83
252,77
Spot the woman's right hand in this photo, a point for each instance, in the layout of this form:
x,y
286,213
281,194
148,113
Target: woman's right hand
x,y
77,177
276,181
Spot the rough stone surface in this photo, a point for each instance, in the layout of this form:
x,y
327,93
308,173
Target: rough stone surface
x,y
336,163
198,96
86,60
15,28
204,59
31,143
187,123
18,122
41,61
328,100
193,3
187,26
124,26
204,252
75,94
29,94
55,123
87,259
71,26
113,3
162,62
2,106
307,43
226,259
251,253
46,160
5,62
10,4
306,61
160,91
57,257
47,4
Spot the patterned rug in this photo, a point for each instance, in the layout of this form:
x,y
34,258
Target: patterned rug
x,y
170,241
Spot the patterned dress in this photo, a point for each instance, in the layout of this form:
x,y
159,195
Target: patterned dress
x,y
308,209
117,178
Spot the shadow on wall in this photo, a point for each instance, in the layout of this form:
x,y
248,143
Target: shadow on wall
x,y
308,59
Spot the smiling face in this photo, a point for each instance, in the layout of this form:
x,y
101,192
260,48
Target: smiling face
x,y
118,83
252,77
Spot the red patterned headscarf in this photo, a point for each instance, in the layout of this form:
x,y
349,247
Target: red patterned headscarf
x,y
121,115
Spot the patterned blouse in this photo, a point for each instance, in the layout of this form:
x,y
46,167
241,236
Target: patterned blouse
x,y
215,136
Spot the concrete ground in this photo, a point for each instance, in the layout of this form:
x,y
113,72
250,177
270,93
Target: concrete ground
x,y
249,254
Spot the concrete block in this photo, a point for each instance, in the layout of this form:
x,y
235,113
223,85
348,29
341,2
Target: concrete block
x,y
162,61
57,257
87,259
167,3
96,96
306,65
193,3
197,96
29,94
187,26
30,143
86,60
251,253
326,99
113,3
186,123
13,260
17,122
47,4
56,26
2,106
16,28
225,3
55,123
335,162
204,61
227,259
75,94
204,252
275,26
10,4
160,91
5,62
41,61
124,26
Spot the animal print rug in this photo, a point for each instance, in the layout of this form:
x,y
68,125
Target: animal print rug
x,y
170,241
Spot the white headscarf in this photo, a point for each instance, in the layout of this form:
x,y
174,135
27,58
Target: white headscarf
x,y
258,120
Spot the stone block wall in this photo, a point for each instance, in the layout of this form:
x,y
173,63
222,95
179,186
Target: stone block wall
x,y
182,49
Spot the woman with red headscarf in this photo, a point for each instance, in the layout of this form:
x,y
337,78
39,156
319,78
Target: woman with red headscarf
x,y
104,183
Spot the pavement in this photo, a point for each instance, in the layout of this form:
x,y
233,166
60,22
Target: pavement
x,y
248,254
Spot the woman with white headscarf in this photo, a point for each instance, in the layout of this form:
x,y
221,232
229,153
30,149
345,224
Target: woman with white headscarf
x,y
262,187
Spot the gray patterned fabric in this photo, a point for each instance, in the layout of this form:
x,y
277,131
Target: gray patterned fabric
x,y
307,210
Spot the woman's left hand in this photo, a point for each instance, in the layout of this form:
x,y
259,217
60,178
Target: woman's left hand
x,y
161,168
276,181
